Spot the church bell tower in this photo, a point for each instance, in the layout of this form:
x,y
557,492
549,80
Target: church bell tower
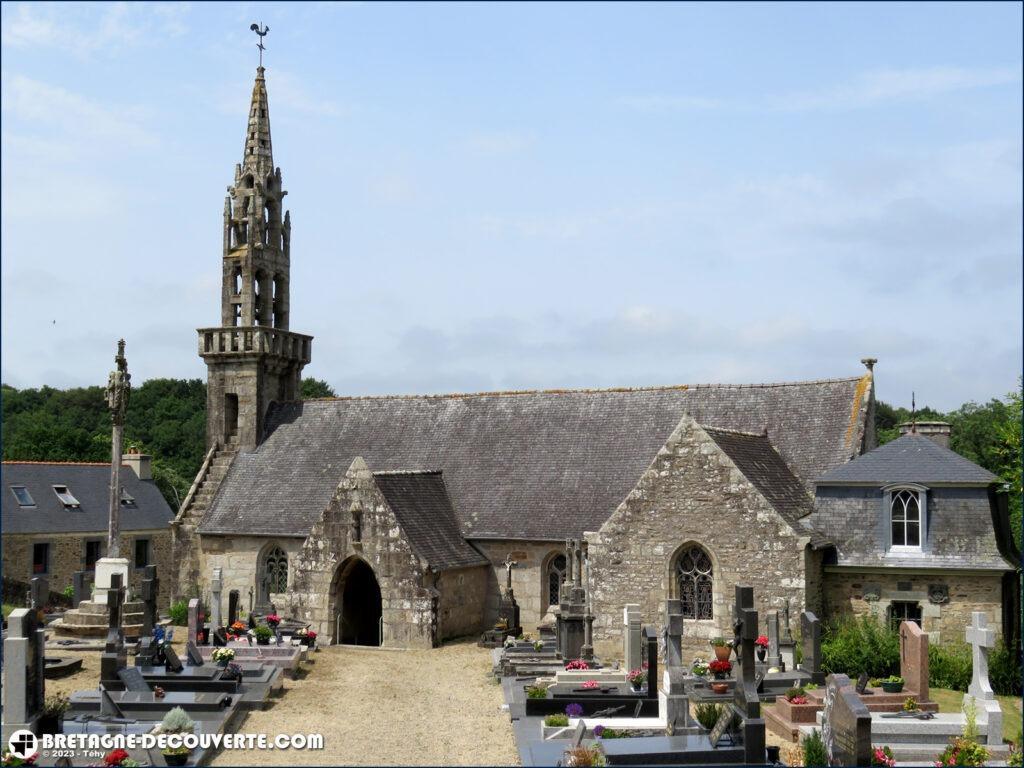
x,y
252,358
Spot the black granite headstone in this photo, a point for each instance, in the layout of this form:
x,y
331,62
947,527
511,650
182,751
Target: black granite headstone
x,y
862,683
845,724
150,589
133,679
195,658
650,641
173,662
114,656
80,585
810,635
233,598
220,637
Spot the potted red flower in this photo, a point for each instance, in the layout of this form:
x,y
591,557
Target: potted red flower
x,y
272,620
720,669
762,646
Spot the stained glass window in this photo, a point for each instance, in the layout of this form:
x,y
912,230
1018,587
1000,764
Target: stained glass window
x,y
556,575
693,572
276,570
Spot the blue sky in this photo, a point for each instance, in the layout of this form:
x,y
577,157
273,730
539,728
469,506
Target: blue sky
x,y
519,196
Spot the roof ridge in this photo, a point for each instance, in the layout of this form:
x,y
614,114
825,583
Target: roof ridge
x,y
63,463
408,472
710,428
579,391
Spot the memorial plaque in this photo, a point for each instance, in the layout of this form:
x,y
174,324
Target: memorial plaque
x,y
133,679
845,724
721,725
759,682
637,709
579,733
173,662
195,658
862,683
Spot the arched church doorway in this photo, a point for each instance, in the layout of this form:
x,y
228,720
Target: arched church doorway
x,y
355,595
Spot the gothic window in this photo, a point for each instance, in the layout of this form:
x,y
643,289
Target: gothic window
x,y
905,518
694,577
275,570
556,575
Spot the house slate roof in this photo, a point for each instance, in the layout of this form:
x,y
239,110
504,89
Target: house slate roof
x,y
767,471
90,485
909,459
423,508
529,465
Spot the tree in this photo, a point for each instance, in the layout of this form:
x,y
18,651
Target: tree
x,y
313,388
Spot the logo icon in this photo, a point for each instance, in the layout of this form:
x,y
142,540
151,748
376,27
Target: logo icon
x,y
23,744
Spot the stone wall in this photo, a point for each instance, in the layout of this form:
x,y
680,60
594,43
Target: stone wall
x,y
67,555
849,592
692,493
239,558
463,596
529,577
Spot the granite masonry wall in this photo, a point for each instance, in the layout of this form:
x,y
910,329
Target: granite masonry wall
x,y
529,577
67,555
463,595
692,493
239,557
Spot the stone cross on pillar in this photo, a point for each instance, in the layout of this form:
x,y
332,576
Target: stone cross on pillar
x,y
150,589
118,390
631,649
216,587
509,565
981,638
745,625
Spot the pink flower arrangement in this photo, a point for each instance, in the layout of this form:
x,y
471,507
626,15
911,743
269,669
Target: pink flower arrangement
x,y
762,641
883,756
577,664
591,684
273,618
798,700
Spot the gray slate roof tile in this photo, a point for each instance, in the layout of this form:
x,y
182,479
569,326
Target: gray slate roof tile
x,y
535,465
909,459
90,485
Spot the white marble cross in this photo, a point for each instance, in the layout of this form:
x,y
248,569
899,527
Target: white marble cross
x,y
982,638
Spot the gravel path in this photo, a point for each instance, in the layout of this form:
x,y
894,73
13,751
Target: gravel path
x,y
379,707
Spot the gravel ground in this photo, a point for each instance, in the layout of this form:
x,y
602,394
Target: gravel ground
x,y
380,707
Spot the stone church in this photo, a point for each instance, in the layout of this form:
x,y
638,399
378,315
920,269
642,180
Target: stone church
x,y
387,520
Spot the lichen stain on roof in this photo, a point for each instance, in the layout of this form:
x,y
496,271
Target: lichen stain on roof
x,y
855,408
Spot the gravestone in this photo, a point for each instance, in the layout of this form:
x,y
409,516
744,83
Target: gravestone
x,y
233,597
845,724
114,657
721,725
650,638
133,680
571,617
39,595
150,589
862,684
810,634
631,643
746,702
220,637
194,607
24,684
982,639
914,659
195,658
216,586
173,662
774,657
81,586
677,703
146,655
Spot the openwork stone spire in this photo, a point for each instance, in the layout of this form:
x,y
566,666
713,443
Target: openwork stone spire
x,y
259,154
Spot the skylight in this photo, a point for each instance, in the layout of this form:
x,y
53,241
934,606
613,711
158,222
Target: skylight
x,y
65,496
23,496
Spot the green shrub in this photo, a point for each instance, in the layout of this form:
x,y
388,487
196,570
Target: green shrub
x,y
815,755
536,692
68,592
795,692
1004,670
263,633
177,721
707,714
179,613
949,666
860,645
556,720
612,733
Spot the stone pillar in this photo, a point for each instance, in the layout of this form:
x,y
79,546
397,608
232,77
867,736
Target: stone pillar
x,y
114,657
677,703
216,585
24,684
631,648
774,657
787,645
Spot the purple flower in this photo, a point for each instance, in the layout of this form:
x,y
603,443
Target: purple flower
x,y
574,710
598,730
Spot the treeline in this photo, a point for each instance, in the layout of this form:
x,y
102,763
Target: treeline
x,y
166,418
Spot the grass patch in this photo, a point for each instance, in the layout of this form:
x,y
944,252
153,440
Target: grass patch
x,y
951,701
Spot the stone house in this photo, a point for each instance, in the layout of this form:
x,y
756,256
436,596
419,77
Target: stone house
x,y
388,519
55,519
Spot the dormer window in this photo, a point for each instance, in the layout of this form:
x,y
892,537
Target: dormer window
x,y
23,496
127,500
65,496
907,507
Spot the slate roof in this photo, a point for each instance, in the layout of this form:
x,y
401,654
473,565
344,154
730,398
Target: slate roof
x,y
529,465
420,502
909,459
762,465
90,485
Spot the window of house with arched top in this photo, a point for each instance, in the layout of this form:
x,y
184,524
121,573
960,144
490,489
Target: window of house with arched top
x,y
694,577
275,571
553,578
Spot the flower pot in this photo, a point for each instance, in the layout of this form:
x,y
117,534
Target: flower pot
x,y
892,687
262,641
761,652
51,724
223,663
720,687
723,652
181,759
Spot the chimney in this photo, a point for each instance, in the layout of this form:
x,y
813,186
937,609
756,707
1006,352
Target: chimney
x,y
140,463
936,431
